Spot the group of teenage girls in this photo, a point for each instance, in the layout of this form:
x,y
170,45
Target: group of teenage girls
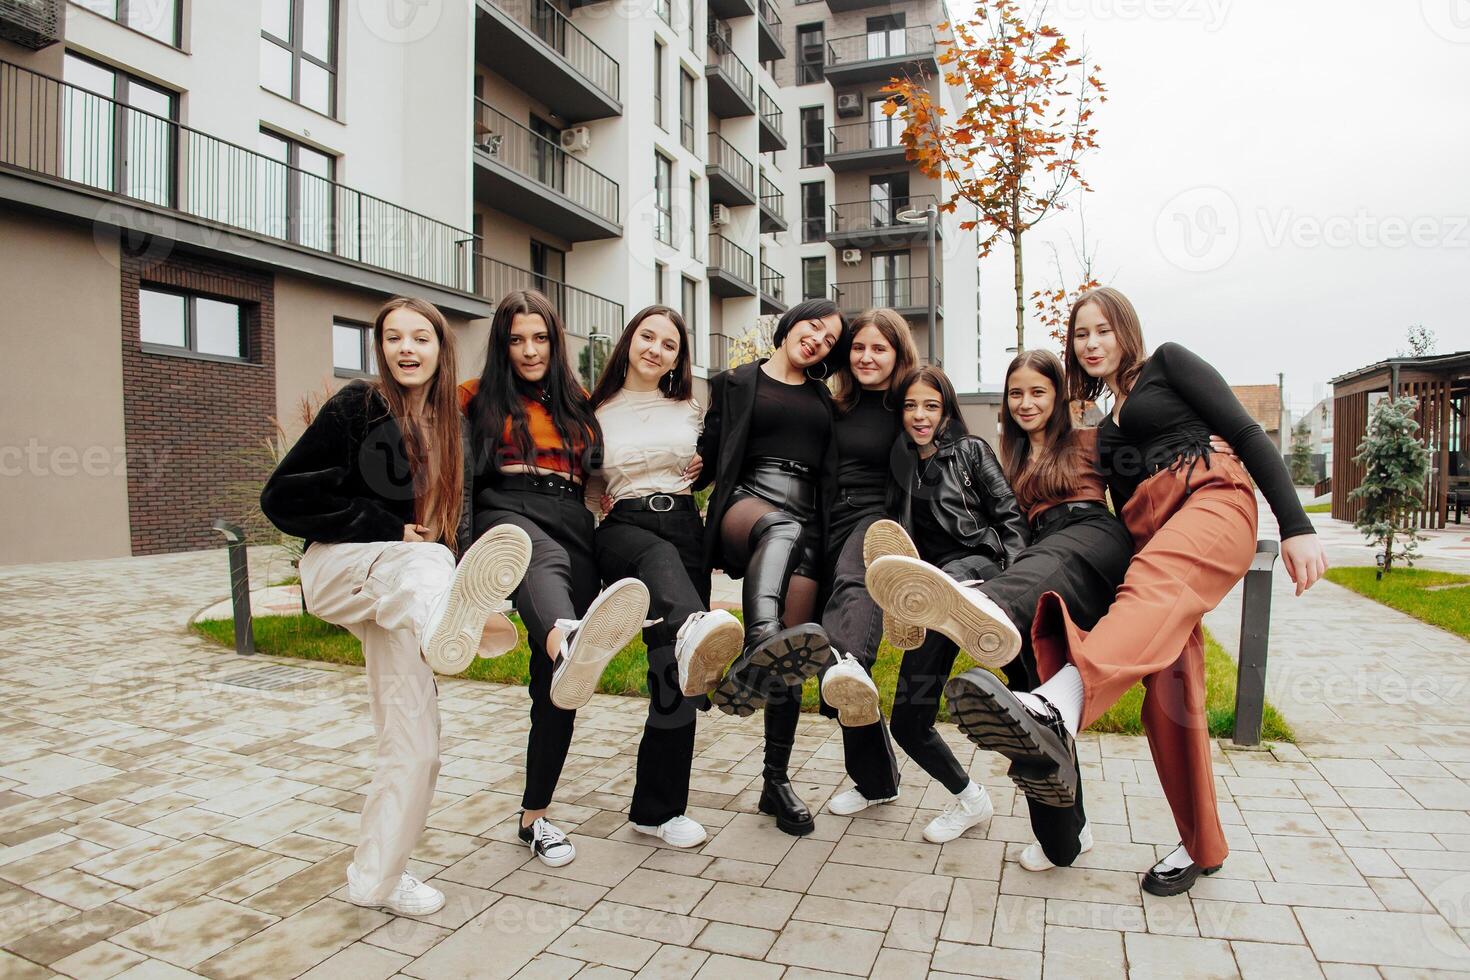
x,y
851,502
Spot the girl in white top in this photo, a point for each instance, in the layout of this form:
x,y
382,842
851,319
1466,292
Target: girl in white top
x,y
651,530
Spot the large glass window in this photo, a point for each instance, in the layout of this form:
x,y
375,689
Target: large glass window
x,y
689,299
159,19
296,198
686,109
814,277
663,194
191,322
814,211
119,132
694,216
549,265
883,130
813,152
810,53
352,348
660,273
891,282
298,51
658,83
889,195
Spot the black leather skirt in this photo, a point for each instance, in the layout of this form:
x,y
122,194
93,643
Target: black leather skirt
x,y
792,487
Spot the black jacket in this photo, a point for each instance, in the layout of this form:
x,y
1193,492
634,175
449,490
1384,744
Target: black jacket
x,y
723,443
972,502
347,477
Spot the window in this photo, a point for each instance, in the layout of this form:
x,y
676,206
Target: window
x,y
549,269
548,160
660,273
888,195
352,348
810,53
686,109
883,130
814,212
298,51
812,150
694,216
159,19
663,198
665,11
689,20
886,36
658,83
295,195
192,323
814,277
891,282
688,297
119,132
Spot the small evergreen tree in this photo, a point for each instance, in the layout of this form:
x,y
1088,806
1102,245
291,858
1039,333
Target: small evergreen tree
x,y
1301,454
1396,469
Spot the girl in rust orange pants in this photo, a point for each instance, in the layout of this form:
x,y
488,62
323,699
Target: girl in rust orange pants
x,y
1192,515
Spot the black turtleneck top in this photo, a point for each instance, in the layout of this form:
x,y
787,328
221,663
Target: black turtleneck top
x,y
864,441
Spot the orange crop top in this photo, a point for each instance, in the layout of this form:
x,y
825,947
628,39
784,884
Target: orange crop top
x,y
551,452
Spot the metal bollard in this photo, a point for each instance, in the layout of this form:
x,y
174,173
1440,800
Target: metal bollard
x,y
239,586
1255,629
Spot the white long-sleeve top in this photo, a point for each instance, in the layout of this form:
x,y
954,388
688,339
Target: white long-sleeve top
x,y
648,441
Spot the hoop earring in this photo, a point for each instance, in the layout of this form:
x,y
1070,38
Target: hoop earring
x,y
668,382
821,377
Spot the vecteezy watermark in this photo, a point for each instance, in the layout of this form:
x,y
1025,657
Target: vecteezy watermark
x,y
1362,229
1210,13
1450,19
1451,899
1198,230
400,21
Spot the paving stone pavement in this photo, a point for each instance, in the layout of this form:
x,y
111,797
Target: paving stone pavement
x,y
160,818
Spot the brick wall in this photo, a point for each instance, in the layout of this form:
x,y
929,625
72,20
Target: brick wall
x,y
194,428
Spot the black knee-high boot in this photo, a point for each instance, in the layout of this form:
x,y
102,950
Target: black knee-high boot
x,y
778,798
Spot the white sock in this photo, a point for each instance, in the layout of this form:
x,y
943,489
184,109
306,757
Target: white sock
x,y
1176,859
1063,692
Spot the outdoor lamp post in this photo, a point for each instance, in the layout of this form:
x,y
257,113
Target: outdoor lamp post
x,y
593,340
929,217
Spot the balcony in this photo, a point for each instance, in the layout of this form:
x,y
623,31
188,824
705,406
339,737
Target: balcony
x,y
533,41
880,55
773,291
768,29
909,296
731,268
731,175
529,177
33,24
771,119
870,145
730,87
74,152
844,6
773,207
583,313
875,224
731,9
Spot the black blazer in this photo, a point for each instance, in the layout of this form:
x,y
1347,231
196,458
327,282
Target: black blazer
x,y
723,443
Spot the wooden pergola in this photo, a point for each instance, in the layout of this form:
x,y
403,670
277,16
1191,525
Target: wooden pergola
x,y
1441,384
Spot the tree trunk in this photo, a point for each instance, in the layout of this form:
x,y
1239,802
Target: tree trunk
x,y
1388,551
1020,294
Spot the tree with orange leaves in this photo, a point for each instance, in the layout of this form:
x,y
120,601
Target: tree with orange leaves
x,y
1015,148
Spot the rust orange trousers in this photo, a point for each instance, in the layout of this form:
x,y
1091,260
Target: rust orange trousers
x,y
1194,529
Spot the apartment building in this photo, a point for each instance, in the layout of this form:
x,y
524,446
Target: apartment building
x,y
202,204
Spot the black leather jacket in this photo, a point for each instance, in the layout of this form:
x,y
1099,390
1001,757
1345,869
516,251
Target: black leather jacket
x,y
972,502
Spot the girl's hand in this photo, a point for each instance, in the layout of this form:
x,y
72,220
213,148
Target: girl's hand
x,y
695,467
417,532
605,502
1305,560
1223,448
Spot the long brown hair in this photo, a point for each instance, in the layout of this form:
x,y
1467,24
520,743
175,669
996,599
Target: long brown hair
x,y
677,384
1052,473
1123,318
895,330
438,479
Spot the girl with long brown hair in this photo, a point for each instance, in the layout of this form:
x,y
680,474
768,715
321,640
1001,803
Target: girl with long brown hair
x,y
376,487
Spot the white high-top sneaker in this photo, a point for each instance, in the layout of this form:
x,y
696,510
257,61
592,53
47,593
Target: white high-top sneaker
x,y
924,595
971,807
1033,858
490,570
885,537
410,897
587,644
707,643
850,801
847,687
680,831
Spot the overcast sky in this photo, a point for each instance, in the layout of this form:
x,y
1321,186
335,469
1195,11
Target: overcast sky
x,y
1283,185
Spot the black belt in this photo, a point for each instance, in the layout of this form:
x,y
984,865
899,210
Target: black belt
x,y
537,483
1061,512
659,503
784,465
857,499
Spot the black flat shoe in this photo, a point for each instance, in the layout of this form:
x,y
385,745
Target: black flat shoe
x,y
1174,881
779,800
1042,752
786,658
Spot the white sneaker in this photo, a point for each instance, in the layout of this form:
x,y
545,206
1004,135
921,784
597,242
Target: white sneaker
x,y
587,644
850,801
1033,858
490,570
680,831
847,687
707,643
548,843
411,897
960,817
923,594
887,537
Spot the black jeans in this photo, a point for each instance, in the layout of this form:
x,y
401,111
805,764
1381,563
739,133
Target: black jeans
x,y
921,679
560,583
854,623
665,552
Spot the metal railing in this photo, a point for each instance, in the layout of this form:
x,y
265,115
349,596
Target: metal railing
x,y
732,161
771,112
773,199
580,52
768,14
878,45
861,216
532,155
727,257
583,313
908,293
875,134
60,131
773,284
722,57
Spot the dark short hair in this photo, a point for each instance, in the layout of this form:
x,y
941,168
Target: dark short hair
x,y
814,309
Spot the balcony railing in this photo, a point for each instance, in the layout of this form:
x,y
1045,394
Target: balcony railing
x,y
583,313
768,13
773,199
770,111
773,284
876,216
721,55
562,36
66,133
900,294
727,257
732,161
532,155
875,134
880,45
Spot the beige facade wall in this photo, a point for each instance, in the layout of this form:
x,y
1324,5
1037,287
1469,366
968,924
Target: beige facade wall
x,y
63,476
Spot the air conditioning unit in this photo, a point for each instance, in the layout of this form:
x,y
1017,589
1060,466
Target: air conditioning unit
x,y
850,104
852,256
719,216
578,139
720,29
490,143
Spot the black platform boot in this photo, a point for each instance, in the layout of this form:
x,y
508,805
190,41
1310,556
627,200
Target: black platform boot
x,y
777,796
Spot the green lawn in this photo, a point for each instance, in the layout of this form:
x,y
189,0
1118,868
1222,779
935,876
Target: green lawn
x,y
1420,593
1322,508
308,638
